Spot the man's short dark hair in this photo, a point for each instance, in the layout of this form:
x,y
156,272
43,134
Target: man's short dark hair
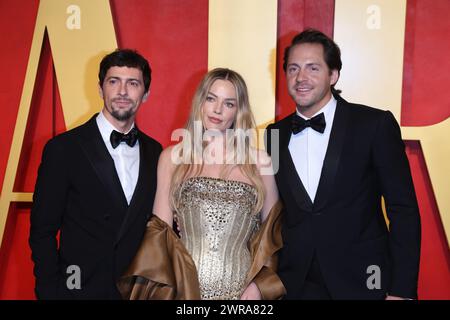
x,y
331,51
126,58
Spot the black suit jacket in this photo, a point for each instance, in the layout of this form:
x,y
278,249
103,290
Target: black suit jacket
x,y
78,193
344,227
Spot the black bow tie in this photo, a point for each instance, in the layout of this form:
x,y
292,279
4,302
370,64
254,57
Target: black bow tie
x,y
317,123
130,138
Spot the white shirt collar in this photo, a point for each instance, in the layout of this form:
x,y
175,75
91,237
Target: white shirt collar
x,y
331,104
107,127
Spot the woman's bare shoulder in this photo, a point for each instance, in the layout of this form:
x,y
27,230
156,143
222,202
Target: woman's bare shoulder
x,y
166,161
263,159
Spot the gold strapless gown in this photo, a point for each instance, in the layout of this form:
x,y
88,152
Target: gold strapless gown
x,y
216,220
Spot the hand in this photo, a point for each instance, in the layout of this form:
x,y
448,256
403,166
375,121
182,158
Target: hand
x,y
251,292
395,298
177,224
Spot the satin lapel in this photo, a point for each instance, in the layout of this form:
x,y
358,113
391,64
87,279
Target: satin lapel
x,y
96,152
332,156
287,169
141,191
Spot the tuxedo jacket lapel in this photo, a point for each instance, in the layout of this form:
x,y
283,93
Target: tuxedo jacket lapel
x,y
332,156
287,168
100,159
140,192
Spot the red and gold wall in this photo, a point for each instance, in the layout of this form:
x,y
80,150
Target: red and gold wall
x,y
395,56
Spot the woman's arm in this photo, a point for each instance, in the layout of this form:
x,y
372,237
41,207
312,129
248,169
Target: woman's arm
x,y
270,186
161,205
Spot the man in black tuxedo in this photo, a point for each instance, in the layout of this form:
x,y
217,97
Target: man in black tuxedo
x,y
336,162
95,185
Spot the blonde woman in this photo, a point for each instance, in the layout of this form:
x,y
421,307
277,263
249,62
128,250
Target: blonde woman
x,y
227,212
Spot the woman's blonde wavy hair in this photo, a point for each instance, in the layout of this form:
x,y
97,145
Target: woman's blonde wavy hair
x,y
244,120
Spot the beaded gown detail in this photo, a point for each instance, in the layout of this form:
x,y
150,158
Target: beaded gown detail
x,y
217,219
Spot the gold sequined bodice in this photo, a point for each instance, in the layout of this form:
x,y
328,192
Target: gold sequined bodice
x,y
216,220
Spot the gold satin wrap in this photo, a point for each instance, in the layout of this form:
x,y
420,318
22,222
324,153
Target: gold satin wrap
x,y
163,269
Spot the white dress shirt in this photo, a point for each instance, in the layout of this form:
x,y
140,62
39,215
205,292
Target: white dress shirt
x,y
126,158
308,149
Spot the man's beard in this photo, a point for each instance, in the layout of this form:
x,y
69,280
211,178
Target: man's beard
x,y
122,115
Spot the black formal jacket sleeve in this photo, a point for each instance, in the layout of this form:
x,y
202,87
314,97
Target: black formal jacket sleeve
x,y
49,200
393,172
